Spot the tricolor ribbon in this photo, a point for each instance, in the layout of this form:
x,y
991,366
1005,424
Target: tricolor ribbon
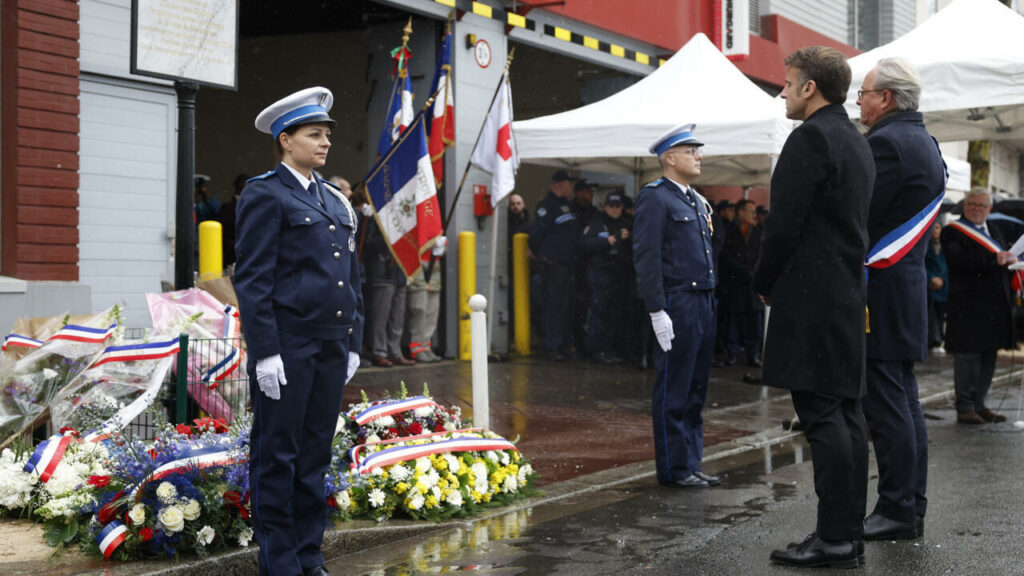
x,y
133,352
110,537
404,453
219,371
84,333
195,459
392,407
230,321
48,454
13,339
896,244
978,236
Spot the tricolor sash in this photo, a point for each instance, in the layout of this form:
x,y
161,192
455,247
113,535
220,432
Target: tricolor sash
x,y
48,455
392,407
977,235
133,352
197,458
895,245
405,452
13,339
110,537
84,333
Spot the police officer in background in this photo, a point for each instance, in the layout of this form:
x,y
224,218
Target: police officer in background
x,y
676,277
299,295
555,241
608,246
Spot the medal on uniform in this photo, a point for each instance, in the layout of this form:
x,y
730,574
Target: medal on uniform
x,y
351,242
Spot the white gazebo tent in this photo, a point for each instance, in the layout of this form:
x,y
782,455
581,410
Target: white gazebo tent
x,y
971,59
743,128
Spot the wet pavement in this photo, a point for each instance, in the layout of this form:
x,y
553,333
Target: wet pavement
x,y
636,527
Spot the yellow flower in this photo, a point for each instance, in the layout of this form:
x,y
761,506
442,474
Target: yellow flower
x,y
431,502
421,487
477,497
401,487
442,483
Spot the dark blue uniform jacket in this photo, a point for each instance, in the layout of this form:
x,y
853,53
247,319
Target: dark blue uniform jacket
x,y
555,234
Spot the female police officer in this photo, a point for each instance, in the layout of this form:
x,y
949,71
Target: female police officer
x,y
299,295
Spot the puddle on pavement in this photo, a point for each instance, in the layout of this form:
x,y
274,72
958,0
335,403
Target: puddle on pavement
x,y
603,532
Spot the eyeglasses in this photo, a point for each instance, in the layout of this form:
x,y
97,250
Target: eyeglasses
x,y
861,93
976,205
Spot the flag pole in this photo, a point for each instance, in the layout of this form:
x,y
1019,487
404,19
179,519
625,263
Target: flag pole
x,y
448,219
492,272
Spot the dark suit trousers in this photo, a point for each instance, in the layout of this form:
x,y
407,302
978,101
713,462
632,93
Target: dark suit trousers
x,y
681,385
834,427
900,437
559,307
972,377
289,451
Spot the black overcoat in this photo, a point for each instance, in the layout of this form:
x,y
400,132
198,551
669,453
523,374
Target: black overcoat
x,y
736,270
812,258
909,175
978,310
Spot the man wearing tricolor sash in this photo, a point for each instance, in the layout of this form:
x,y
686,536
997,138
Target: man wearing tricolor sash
x,y
909,184
978,321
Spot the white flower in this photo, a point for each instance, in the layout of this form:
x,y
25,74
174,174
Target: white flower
x,y
372,438
376,498
386,421
82,469
244,536
378,471
191,509
431,478
424,412
205,535
137,514
16,485
450,426
436,491
491,455
166,492
343,500
399,473
524,471
510,484
480,476
423,464
505,459
416,502
340,426
172,519
455,498
49,373
453,463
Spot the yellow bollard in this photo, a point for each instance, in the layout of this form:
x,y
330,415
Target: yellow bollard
x,y
211,255
521,292
467,287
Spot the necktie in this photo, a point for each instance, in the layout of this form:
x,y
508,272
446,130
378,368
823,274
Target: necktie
x,y
314,191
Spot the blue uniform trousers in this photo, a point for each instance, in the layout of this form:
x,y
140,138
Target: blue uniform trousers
x,y
609,304
834,428
900,438
289,451
681,384
558,306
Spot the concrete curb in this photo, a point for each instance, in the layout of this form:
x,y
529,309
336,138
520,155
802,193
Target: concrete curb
x,y
363,535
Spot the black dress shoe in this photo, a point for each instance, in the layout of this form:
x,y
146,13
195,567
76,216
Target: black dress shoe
x,y
755,362
317,571
878,527
817,552
860,547
711,480
691,481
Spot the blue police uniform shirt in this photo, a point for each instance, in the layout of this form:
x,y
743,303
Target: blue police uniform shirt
x,y
555,233
297,268
671,242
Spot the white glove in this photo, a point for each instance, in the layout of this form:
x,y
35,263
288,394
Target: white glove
x,y
663,329
367,210
270,376
353,365
440,245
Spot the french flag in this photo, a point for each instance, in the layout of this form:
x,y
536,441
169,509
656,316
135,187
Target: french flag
x,y
404,196
110,537
400,112
442,123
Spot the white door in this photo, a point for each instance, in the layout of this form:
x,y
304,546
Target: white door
x,y
126,192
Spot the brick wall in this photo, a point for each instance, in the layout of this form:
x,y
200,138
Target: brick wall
x,y
39,115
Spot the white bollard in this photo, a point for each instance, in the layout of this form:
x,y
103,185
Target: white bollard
x,y
478,348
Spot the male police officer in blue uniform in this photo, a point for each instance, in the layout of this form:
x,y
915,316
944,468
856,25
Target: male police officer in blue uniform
x,y
298,285
555,241
674,266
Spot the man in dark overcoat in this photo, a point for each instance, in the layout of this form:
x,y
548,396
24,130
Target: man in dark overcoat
x,y
978,321
736,267
811,272
910,178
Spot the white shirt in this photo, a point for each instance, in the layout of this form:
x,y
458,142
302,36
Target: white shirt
x,y
303,181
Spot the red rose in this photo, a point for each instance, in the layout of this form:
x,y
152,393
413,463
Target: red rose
x,y
145,534
98,481
68,429
107,513
415,428
183,429
439,427
332,502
